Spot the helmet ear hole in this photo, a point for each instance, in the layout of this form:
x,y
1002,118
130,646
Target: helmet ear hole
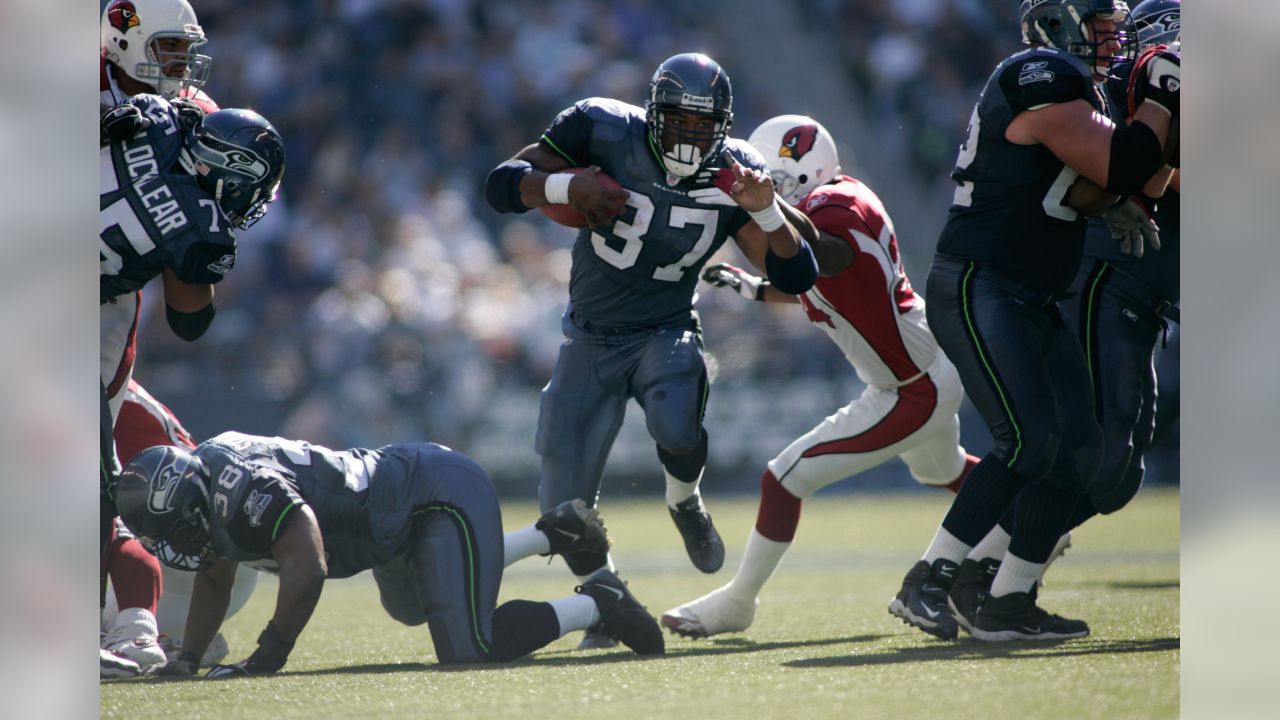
x,y
803,178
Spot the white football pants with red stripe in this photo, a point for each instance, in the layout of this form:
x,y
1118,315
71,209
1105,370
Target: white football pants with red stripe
x,y
916,422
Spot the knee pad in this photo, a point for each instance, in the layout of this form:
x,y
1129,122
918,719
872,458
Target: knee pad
x,y
685,463
1037,451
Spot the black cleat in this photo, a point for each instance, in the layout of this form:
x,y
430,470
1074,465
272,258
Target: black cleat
x,y
972,584
922,601
1017,617
622,617
701,541
572,527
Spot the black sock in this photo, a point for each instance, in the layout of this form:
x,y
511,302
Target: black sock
x,y
1040,517
686,467
520,627
988,490
1085,509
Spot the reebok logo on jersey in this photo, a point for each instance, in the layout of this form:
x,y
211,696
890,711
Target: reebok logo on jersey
x,y
1034,72
223,265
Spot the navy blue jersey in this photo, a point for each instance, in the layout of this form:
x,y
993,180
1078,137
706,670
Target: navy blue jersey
x,y
152,213
1008,213
363,500
641,269
1157,268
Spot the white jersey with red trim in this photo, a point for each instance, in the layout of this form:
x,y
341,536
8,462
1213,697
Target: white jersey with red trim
x,y
869,309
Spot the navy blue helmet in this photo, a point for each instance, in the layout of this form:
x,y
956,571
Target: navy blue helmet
x,y
1063,24
239,160
1157,22
689,83
162,495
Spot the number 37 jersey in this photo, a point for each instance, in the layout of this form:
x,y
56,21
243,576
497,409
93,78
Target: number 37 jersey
x,y
642,268
152,214
1007,212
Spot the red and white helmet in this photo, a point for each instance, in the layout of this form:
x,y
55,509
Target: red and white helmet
x,y
131,34
800,153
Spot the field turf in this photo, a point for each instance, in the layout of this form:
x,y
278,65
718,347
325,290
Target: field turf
x,y
822,646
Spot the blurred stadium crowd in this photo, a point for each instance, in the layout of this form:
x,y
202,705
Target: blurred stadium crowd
x,y
382,300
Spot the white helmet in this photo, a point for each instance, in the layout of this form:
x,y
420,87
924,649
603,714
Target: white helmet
x,y
800,153
131,30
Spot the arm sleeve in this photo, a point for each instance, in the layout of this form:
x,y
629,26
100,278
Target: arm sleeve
x,y
206,261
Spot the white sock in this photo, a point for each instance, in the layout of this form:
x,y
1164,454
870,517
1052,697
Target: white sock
x,y
678,490
576,612
1016,575
759,561
993,546
520,544
608,565
946,545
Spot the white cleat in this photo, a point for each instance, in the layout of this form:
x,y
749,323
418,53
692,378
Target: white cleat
x,y
134,638
712,614
1059,550
111,665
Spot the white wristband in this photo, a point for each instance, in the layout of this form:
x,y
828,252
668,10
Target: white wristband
x,y
557,188
770,218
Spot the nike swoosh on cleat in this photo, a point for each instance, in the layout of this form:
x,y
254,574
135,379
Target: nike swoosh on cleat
x,y
1031,630
614,590
931,613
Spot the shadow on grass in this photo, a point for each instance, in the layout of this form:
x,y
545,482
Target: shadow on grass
x,y
1140,585
974,650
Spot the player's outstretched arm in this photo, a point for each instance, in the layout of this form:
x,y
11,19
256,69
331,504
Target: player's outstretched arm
x,y
788,259
210,597
299,553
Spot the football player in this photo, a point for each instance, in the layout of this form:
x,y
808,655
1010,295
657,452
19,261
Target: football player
x,y
142,622
424,518
170,198
146,47
630,327
865,303
1040,148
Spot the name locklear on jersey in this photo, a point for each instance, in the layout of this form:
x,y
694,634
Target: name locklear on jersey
x,y
159,202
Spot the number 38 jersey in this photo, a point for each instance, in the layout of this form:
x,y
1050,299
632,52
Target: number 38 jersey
x,y
363,500
153,215
1007,212
641,269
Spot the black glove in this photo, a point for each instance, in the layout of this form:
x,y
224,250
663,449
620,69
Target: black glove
x,y
190,115
271,655
122,122
183,666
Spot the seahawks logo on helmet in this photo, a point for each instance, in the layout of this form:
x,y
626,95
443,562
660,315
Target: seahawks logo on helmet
x,y
239,160
798,141
163,486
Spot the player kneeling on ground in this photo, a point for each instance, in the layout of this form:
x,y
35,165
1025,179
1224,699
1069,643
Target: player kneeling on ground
x,y
424,518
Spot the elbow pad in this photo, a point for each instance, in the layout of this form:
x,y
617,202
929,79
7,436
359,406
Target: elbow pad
x,y
793,275
189,326
502,187
1136,155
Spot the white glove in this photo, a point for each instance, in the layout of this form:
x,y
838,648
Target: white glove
x,y
725,275
1131,223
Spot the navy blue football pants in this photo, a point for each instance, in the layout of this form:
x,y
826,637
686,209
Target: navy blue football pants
x,y
1025,372
1117,321
595,376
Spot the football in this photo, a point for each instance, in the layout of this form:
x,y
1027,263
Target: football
x,y
565,214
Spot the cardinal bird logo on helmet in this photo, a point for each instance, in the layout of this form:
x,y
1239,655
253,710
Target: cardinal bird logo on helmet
x,y
122,15
798,141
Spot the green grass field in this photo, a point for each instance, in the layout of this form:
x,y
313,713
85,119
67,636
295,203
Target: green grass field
x,y
822,646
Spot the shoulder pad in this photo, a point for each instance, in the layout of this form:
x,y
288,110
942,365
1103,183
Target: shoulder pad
x,y
1044,76
608,110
